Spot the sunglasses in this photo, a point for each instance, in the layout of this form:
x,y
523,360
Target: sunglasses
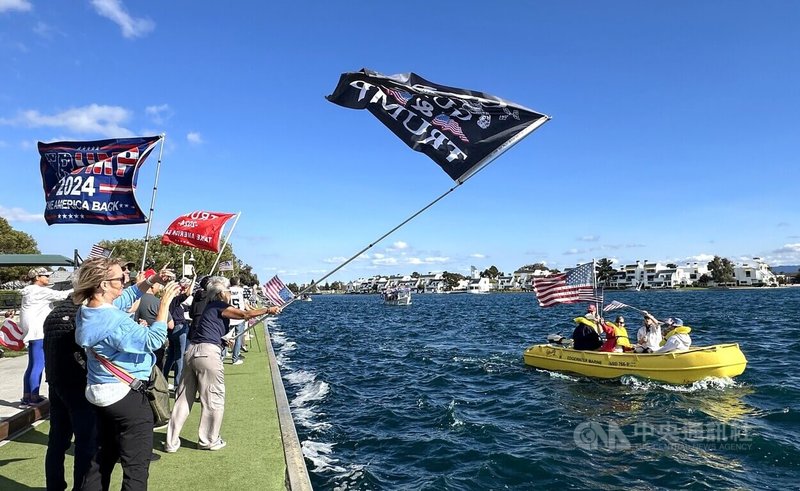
x,y
120,279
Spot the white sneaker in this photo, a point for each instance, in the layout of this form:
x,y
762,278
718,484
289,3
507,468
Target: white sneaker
x,y
218,445
238,362
169,449
170,387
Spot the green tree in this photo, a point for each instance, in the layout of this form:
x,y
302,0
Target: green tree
x,y
293,287
721,270
605,270
491,273
15,242
451,279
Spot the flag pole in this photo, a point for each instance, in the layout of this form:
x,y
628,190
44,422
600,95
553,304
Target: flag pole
x,y
219,255
152,202
461,180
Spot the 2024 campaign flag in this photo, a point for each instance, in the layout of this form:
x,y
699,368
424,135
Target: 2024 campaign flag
x,y
198,229
93,181
461,130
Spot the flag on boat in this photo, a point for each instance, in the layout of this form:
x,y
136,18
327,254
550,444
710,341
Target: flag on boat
x,y
573,286
198,229
98,251
278,293
93,181
614,306
461,130
226,266
11,335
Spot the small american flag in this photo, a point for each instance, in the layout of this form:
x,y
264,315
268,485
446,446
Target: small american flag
x,y
401,95
575,285
11,335
446,122
277,292
98,251
614,306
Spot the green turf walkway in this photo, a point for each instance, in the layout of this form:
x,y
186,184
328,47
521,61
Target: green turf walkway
x,y
253,458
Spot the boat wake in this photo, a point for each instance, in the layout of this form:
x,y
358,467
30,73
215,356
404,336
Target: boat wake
x,y
707,384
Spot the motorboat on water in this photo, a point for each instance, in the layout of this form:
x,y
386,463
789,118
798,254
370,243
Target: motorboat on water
x,y
674,367
397,296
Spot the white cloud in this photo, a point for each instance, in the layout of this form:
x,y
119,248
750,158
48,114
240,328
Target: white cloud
x,y
92,119
378,255
334,260
194,137
589,238
400,245
701,258
131,26
478,255
159,114
20,5
386,261
20,215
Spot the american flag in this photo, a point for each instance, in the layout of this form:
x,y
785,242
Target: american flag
x,y
575,285
401,95
446,122
614,306
11,335
277,292
98,251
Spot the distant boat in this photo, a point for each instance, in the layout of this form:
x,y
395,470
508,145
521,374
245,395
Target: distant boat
x,y
636,288
305,298
397,296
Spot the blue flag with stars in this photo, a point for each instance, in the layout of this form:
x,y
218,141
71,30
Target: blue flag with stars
x,y
93,181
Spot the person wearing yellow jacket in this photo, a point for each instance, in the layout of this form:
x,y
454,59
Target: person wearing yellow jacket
x,y
677,337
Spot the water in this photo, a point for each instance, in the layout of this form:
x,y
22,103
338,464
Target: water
x,y
435,396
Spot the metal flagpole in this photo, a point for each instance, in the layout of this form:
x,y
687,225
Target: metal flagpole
x,y
152,202
461,180
216,261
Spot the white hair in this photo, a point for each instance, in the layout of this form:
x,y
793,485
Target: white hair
x,y
216,285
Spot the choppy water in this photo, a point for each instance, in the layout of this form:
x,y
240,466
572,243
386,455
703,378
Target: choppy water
x,y
436,396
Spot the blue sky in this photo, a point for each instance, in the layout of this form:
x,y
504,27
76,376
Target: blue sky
x,y
674,134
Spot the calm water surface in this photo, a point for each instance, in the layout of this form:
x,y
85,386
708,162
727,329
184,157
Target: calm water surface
x,y
435,396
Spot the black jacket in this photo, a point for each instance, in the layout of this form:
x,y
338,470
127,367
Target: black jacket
x,y
61,353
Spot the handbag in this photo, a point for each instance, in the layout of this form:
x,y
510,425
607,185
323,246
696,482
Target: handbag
x,y
155,388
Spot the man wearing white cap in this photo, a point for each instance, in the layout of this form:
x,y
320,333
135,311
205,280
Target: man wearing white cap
x,y
37,301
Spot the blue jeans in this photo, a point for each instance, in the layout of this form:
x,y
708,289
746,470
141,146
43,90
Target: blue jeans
x,y
237,345
177,347
33,374
70,414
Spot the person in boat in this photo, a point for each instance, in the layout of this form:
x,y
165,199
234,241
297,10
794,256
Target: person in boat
x,y
616,336
586,335
677,337
648,338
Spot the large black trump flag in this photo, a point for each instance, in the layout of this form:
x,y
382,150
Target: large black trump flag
x,y
461,130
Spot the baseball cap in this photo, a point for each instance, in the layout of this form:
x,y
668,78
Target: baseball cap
x,y
40,271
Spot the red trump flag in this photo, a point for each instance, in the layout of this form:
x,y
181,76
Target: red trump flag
x,y
199,229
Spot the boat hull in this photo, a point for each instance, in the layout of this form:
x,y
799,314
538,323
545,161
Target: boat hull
x,y
677,367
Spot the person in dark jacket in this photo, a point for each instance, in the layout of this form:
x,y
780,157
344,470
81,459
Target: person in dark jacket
x,y
70,412
199,302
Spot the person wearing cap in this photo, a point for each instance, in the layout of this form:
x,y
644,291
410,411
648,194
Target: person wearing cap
x,y
648,338
37,302
177,336
677,337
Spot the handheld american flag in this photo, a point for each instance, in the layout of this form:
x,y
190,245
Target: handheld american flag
x,y
614,306
573,286
98,251
278,293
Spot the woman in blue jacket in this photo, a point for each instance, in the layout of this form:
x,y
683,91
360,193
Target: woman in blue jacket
x,y
104,329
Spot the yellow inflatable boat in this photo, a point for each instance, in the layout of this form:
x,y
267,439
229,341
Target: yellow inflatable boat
x,y
677,367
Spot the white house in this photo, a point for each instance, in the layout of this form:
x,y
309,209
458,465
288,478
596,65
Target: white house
x,y
754,273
